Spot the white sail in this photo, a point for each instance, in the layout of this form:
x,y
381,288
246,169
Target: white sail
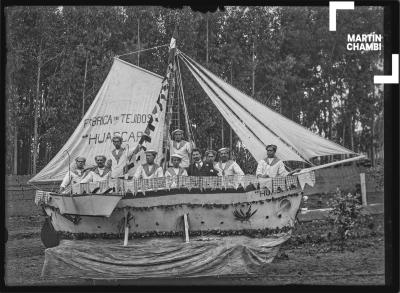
x,y
257,125
122,106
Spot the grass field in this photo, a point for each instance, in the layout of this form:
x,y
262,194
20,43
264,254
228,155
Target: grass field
x,y
309,257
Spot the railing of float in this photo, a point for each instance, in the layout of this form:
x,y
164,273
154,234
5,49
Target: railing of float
x,y
135,186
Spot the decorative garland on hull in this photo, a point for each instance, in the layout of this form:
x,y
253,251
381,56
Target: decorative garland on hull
x,y
253,233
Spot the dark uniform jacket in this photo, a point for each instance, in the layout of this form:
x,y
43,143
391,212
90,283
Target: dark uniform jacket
x,y
193,170
208,170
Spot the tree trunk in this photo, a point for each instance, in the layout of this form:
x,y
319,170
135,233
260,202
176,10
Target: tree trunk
x,y
84,85
329,110
324,122
344,132
36,110
138,42
25,156
30,161
15,159
207,39
343,121
47,153
42,152
291,110
351,132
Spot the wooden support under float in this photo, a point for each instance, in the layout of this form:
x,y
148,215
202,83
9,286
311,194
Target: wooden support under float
x,y
126,228
186,225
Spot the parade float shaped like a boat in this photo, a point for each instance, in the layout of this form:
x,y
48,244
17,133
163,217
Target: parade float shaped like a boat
x,y
180,226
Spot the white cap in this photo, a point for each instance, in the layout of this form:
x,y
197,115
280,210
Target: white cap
x,y
151,151
221,150
176,131
177,156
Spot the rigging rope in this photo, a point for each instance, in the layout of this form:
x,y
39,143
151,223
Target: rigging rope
x,y
180,85
156,47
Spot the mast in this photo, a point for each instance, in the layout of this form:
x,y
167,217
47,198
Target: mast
x,y
170,76
175,102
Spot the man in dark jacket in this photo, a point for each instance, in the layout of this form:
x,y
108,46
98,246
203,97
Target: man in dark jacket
x,y
208,168
195,167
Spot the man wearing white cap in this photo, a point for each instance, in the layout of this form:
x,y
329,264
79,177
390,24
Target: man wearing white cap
x,y
271,166
176,170
180,147
150,169
225,166
75,175
119,158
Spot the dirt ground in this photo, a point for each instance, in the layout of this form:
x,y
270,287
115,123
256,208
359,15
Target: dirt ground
x,y
308,258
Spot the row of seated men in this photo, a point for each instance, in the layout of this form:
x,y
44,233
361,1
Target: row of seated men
x,y
181,151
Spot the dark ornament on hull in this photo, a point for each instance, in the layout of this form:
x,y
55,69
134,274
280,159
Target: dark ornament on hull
x,y
75,219
241,216
48,235
108,190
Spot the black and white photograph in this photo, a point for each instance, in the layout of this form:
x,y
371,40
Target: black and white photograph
x,y
201,146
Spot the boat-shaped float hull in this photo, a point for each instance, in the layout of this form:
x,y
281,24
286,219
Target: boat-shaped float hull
x,y
161,214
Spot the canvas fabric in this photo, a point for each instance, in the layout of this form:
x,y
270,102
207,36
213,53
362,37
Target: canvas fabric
x,y
160,257
257,125
122,106
306,178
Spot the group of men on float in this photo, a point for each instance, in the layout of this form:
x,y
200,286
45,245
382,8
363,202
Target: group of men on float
x,y
118,164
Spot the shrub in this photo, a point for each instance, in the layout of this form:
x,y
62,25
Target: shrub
x,y
346,215
376,175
